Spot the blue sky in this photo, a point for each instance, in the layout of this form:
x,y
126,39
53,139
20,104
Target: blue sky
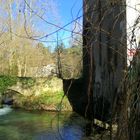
x,y
56,12
68,10
62,13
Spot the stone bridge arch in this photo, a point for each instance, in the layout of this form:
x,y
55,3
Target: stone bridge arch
x,y
28,86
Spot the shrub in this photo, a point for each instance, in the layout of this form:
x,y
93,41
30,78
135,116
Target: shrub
x,y
7,81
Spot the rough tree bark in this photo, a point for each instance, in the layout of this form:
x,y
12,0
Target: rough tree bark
x,y
104,53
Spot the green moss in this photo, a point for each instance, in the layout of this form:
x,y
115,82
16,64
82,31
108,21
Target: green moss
x,y
6,81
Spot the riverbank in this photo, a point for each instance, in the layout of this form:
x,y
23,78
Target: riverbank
x,y
48,101
37,94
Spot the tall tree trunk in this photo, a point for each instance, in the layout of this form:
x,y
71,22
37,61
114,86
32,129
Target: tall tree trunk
x,y
122,110
10,18
104,32
19,68
10,31
25,66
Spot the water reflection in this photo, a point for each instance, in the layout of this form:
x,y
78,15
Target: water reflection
x,y
71,129
23,125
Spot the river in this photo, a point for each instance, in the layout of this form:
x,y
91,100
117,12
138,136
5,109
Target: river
x,y
37,125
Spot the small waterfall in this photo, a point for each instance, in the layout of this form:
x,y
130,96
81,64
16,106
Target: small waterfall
x,y
5,110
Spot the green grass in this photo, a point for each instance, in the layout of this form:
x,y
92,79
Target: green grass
x,y
45,101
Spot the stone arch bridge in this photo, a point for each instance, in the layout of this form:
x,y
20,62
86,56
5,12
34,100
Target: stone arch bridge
x,y
32,86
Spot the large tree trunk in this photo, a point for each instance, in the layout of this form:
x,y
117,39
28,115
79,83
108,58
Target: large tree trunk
x,y
104,53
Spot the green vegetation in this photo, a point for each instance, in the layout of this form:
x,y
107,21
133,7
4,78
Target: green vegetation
x,y
22,56
70,60
27,82
6,81
35,94
46,101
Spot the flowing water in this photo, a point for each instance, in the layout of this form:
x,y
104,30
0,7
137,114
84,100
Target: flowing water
x,y
26,125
